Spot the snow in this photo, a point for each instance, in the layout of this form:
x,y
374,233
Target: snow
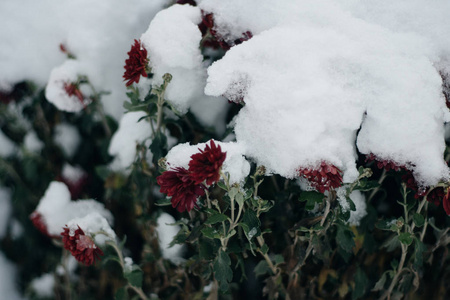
x,y
7,147
313,74
30,46
68,138
95,225
8,284
5,210
124,140
72,174
166,233
180,56
43,286
235,163
66,74
358,199
57,209
32,142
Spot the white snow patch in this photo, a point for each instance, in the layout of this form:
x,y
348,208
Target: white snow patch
x,y
7,147
166,233
44,285
5,210
32,142
67,137
8,284
358,199
124,140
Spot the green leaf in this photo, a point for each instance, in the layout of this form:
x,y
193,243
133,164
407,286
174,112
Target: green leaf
x,y
262,268
264,249
379,286
392,244
163,202
418,219
222,270
405,238
158,147
344,238
121,294
213,219
210,233
419,249
278,259
233,192
367,185
252,223
305,195
134,277
361,282
240,199
222,185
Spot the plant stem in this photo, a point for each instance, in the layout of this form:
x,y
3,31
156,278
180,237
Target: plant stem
x,y
380,181
388,293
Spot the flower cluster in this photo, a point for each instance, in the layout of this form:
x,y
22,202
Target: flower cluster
x,y
81,246
324,178
384,164
434,196
136,64
186,185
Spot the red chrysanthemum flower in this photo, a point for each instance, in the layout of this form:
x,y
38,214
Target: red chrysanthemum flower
x,y
384,164
324,178
206,164
81,246
38,221
446,202
136,64
72,89
179,185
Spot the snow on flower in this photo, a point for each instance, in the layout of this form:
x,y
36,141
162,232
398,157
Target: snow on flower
x,y
313,75
136,64
178,55
178,184
80,245
234,164
55,209
206,165
62,89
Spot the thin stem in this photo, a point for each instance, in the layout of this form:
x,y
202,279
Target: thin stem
x,y
261,243
138,291
388,293
380,181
